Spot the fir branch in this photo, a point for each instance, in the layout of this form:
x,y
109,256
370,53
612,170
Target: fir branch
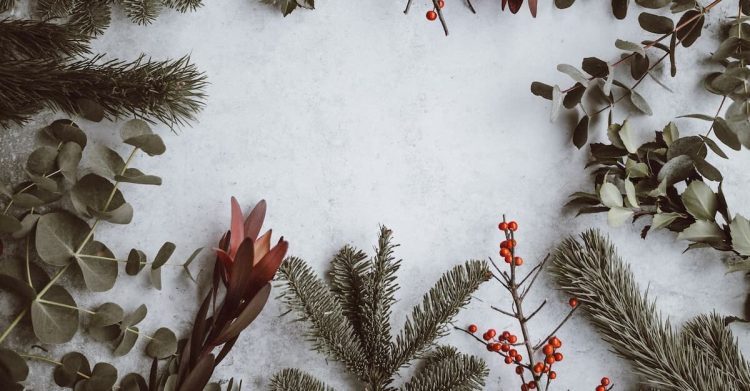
x,y
166,91
593,272
293,380
91,17
448,370
428,321
7,5
378,297
28,39
331,333
710,335
183,5
347,283
50,9
142,11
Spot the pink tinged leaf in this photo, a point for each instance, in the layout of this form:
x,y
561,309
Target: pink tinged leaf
x,y
247,316
505,2
224,258
266,269
254,220
514,5
532,7
262,246
236,228
200,375
241,273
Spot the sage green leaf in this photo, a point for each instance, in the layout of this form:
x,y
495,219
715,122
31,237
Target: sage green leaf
x,y
620,8
627,138
700,201
653,4
740,230
18,286
6,190
670,133
556,102
54,324
27,200
105,333
691,145
573,73
123,214
65,130
133,175
103,377
67,374
28,223
726,135
133,382
107,314
43,182
656,24
714,147
574,96
90,110
635,169
93,192
135,317
58,236
630,193
618,215
22,272
640,103
702,231
186,265
13,366
595,67
742,129
613,133
155,276
68,160
165,252
581,132
676,170
136,262
138,133
542,90
662,220
737,111
9,224
163,344
126,341
106,162
610,195
630,47
728,47
42,160
707,170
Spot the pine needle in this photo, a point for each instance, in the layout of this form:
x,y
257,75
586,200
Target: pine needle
x,y
703,358
296,380
91,17
183,5
142,12
448,370
28,39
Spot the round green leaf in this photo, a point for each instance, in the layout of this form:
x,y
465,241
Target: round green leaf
x,y
740,229
107,314
68,160
135,317
610,195
165,252
163,344
9,224
65,130
58,236
42,160
52,323
66,375
13,366
133,382
27,224
92,192
127,340
136,262
133,175
27,200
106,162
138,133
98,274
103,377
90,110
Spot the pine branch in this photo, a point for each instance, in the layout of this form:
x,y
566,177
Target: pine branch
x,y
448,370
142,11
183,5
710,335
347,283
593,272
295,380
378,297
91,17
50,9
7,5
166,91
330,331
428,321
28,39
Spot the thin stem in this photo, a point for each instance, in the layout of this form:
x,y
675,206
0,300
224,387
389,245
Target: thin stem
x,y
440,16
50,361
565,320
723,100
471,6
27,187
63,305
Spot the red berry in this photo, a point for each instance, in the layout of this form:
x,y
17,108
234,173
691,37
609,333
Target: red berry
x,y
538,368
601,388
505,347
546,368
472,328
512,243
496,347
555,342
550,359
512,352
508,360
524,387
573,302
486,337
553,375
518,261
506,334
502,226
512,226
605,381
508,259
431,15
492,333
558,356
519,358
532,385
504,252
489,347
548,349
512,339
519,370
505,244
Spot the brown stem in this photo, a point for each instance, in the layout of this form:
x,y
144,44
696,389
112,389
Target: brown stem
x,y
440,16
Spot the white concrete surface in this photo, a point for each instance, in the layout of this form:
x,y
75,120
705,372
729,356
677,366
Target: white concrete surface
x,y
355,115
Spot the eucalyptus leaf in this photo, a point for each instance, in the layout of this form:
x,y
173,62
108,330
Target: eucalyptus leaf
x,y
700,201
542,90
640,103
44,182
630,47
67,374
103,377
740,232
138,133
107,314
656,24
53,323
90,110
135,317
162,344
136,262
13,366
65,130
127,340
95,193
58,236
707,170
163,255
42,160
68,159
133,382
574,73
155,277
581,132
9,224
676,170
556,102
98,266
691,145
726,134
133,175
27,200
106,162
186,265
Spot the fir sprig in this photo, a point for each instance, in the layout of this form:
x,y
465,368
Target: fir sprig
x,y
703,357
350,321
170,92
91,17
28,39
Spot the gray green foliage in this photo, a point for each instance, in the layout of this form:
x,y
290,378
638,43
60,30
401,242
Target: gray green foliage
x,y
703,356
288,6
349,321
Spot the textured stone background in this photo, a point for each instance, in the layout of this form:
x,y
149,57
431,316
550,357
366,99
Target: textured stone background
x,y
355,115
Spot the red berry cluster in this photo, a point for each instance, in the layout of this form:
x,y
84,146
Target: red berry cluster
x,y
432,14
603,386
551,356
508,246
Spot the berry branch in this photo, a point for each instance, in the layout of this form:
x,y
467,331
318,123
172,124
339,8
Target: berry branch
x,y
534,372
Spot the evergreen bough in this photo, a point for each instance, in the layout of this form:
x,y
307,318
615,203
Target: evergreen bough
x,y
704,356
349,322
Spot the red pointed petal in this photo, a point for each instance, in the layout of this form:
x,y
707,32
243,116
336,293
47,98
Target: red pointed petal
x,y
532,7
262,246
254,220
266,269
236,227
514,5
505,2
